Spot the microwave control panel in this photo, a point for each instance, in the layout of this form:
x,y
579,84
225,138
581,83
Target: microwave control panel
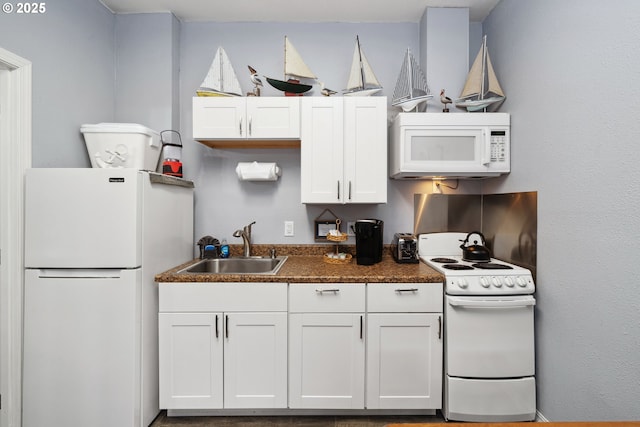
x,y
498,145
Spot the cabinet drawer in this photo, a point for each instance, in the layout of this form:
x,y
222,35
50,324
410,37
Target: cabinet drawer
x,y
223,296
326,297
404,298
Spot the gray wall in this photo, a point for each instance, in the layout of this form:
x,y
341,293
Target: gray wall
x,y
570,73
73,55
147,66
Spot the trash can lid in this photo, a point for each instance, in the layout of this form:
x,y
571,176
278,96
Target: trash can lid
x,y
118,128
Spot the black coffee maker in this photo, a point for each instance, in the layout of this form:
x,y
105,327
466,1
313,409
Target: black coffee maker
x,y
369,241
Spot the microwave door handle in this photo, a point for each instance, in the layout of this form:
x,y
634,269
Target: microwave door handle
x,y
486,147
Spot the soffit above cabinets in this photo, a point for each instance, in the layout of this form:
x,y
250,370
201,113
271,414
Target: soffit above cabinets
x,y
299,10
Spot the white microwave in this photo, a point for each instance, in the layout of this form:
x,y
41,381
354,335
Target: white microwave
x,y
449,145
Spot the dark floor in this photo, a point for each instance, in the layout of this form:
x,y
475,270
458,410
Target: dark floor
x,y
305,421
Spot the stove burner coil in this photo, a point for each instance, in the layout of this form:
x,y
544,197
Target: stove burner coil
x,y
444,260
492,266
457,267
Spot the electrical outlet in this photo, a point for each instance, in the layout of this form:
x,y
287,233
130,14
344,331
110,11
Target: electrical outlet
x,y
351,226
288,228
436,186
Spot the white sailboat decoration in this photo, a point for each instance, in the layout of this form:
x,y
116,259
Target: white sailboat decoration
x,y
411,87
362,79
221,79
295,67
482,87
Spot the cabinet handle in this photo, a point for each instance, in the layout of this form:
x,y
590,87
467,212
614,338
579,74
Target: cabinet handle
x,y
338,189
240,127
360,327
407,290
216,326
439,327
349,190
226,326
334,290
250,121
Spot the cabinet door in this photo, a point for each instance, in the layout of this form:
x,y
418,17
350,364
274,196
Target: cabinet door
x,y
190,346
365,140
219,118
326,361
404,361
255,355
321,150
273,118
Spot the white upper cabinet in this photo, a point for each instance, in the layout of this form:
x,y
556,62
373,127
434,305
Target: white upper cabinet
x,y
344,150
246,118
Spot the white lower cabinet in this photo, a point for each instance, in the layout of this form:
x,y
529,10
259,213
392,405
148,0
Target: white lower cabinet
x,y
190,361
326,346
404,346
223,345
335,346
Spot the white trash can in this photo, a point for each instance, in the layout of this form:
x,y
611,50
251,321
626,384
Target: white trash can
x,y
122,145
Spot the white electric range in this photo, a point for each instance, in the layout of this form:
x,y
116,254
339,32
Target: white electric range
x,y
489,359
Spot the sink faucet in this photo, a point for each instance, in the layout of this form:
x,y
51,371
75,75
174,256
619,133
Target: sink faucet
x,y
245,233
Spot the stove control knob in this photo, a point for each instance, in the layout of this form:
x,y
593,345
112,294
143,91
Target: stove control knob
x,y
462,283
484,282
521,282
497,281
509,282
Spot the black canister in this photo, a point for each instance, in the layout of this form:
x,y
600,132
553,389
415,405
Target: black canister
x,y
369,241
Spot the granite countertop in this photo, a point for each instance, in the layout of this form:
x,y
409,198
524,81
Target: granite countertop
x,y
305,264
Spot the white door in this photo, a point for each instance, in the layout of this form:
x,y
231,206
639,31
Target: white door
x,y
191,351
219,118
15,157
326,361
365,139
404,361
255,360
321,150
273,118
490,337
82,348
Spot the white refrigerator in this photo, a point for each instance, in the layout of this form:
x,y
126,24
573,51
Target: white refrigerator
x,y
94,240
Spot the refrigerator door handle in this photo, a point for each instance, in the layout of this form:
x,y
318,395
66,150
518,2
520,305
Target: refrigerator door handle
x,y
75,273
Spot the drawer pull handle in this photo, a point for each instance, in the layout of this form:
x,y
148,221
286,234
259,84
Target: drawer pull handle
x,y
321,291
407,290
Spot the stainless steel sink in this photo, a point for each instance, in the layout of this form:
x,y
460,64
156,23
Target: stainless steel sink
x,y
238,265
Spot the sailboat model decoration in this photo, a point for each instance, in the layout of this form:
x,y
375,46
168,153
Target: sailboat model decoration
x,y
411,87
362,80
482,87
293,66
221,79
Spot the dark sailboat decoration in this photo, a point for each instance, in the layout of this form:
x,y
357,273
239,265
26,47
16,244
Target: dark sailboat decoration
x,y
294,68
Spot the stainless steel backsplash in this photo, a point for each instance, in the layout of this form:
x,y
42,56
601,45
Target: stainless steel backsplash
x,y
508,221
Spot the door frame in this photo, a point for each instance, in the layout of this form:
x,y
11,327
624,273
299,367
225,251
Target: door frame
x,y
15,157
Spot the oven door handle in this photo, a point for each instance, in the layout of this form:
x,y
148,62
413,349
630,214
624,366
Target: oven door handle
x,y
493,303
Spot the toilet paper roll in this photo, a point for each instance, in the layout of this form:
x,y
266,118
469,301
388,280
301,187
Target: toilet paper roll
x,y
254,171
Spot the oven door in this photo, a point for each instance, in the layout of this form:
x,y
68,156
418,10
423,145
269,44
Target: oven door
x,y
489,337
